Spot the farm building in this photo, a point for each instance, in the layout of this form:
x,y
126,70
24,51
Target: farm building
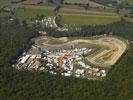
x,y
32,2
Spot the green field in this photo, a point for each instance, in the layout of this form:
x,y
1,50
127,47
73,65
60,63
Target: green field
x,y
66,19
82,17
5,3
29,13
55,41
88,20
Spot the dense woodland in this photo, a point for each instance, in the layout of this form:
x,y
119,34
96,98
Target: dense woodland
x,y
14,38
24,85
120,28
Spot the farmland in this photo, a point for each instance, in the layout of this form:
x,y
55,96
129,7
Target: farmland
x,y
69,16
88,20
30,13
91,3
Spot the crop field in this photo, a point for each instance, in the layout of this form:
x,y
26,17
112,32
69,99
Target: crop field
x,y
32,13
29,13
111,48
5,3
92,4
88,20
69,16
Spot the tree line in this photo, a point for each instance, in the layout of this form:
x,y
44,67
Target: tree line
x,y
121,28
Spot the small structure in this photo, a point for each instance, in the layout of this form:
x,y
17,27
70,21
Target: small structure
x,y
24,59
64,61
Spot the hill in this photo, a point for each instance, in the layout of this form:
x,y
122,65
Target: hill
x,y
25,85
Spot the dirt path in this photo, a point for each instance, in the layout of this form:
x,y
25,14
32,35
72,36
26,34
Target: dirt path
x,y
91,15
115,47
87,12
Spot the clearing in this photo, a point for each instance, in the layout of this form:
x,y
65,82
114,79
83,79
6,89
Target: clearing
x,y
111,50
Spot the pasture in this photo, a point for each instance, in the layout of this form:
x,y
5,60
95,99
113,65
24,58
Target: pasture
x,y
88,20
31,13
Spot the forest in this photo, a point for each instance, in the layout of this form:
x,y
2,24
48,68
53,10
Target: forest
x,y
15,37
120,28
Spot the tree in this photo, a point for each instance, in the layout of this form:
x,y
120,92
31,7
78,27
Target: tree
x,y
24,22
87,6
61,1
57,8
50,1
117,10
